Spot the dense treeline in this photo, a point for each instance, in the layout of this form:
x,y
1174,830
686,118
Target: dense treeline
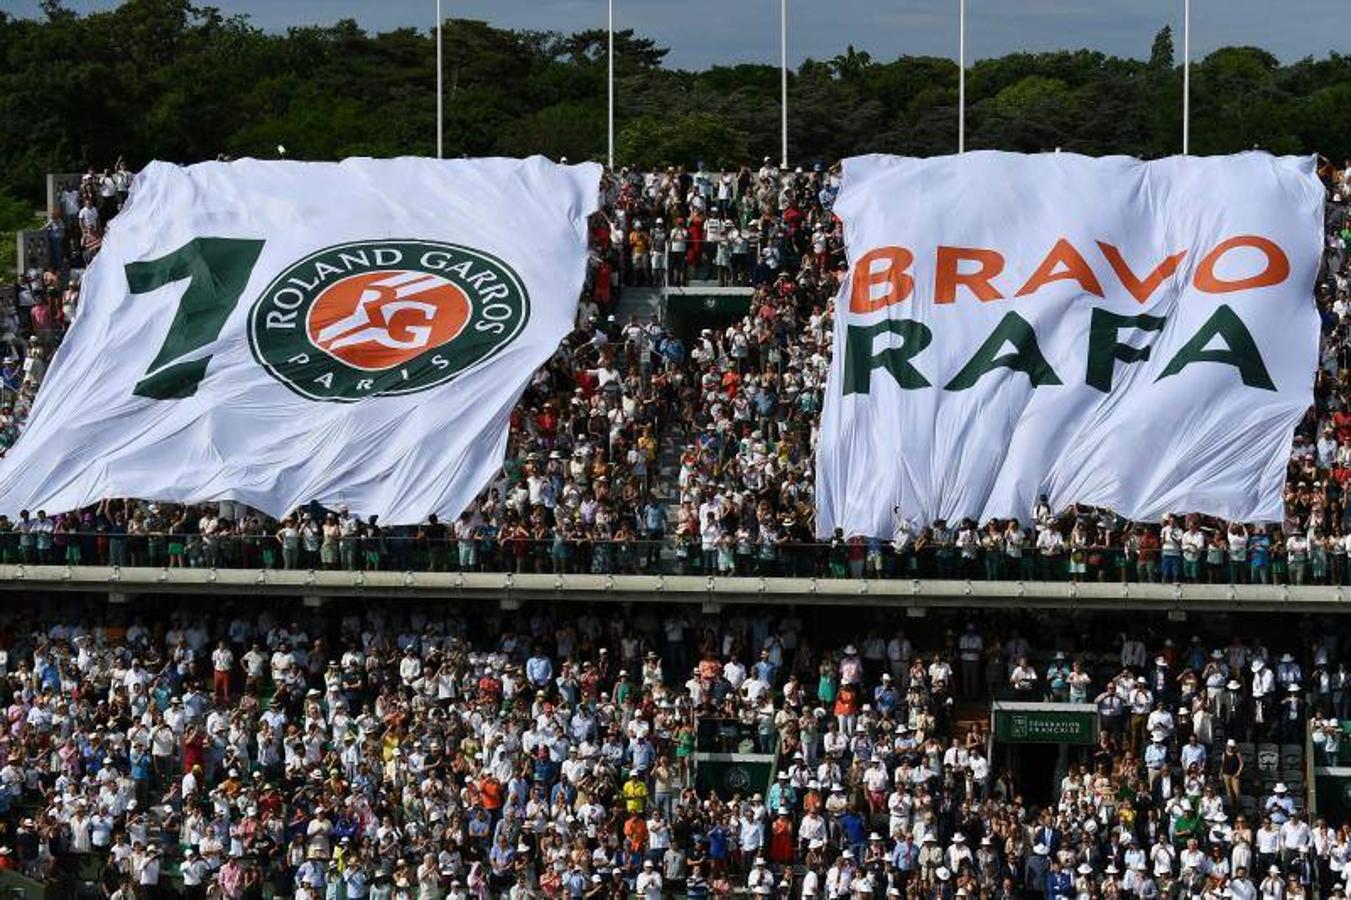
x,y
167,79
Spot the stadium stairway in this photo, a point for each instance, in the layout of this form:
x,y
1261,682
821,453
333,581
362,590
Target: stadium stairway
x,y
645,303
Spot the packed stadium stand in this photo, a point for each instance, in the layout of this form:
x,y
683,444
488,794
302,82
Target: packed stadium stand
x,y
673,431
187,745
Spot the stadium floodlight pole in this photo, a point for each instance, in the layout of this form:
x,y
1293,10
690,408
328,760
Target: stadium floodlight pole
x,y
961,76
610,83
1186,76
440,90
783,83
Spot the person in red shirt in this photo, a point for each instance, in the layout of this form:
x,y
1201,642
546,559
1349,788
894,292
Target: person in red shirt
x,y
731,383
589,683
846,708
489,688
635,833
1149,555
811,801
695,244
490,792
194,749
547,420
1341,420
781,839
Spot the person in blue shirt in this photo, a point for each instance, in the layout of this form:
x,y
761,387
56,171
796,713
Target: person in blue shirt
x,y
654,529
717,837
1259,557
539,669
782,794
564,791
574,882
140,762
1156,756
642,755
480,824
1058,678
1059,883
766,670
500,859
673,349
543,770
345,826
51,676
855,832
905,855
1047,835
1193,753
884,695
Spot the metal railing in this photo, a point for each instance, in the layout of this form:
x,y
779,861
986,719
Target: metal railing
x,y
489,551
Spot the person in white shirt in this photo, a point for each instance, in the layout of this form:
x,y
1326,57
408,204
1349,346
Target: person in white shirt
x,y
149,874
1241,886
1050,547
649,883
1015,539
222,662
1272,887
734,672
80,830
1238,554
1296,835
1170,545
1192,856
899,651
1024,676
751,833
1193,546
970,647
194,871
1133,653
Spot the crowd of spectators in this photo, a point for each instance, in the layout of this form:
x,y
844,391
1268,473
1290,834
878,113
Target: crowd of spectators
x,y
387,751
640,449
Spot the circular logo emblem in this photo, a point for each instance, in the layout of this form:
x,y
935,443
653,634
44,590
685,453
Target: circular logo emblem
x,y
381,318
738,779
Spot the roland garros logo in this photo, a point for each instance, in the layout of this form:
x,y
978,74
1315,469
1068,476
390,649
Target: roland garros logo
x,y
381,318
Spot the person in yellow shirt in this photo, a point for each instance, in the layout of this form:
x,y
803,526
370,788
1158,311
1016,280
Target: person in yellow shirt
x,y
638,247
635,794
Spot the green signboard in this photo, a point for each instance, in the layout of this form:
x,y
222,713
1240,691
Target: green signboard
x,y
710,304
1045,723
733,773
1332,793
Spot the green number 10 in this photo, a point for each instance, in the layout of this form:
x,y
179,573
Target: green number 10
x,y
217,270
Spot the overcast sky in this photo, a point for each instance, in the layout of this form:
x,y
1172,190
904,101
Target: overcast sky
x,y
704,32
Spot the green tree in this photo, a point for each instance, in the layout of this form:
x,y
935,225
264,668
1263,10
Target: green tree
x,y
174,80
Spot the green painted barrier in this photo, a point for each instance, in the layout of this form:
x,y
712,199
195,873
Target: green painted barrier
x,y
1045,723
14,886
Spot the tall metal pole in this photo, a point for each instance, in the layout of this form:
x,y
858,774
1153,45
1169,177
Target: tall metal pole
x,y
1186,76
610,82
440,91
783,83
961,76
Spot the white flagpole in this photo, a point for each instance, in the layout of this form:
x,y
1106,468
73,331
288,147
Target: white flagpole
x,y
961,76
1186,75
610,84
440,90
783,83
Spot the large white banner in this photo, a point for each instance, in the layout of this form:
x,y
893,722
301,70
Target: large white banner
x,y
1135,335
279,332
